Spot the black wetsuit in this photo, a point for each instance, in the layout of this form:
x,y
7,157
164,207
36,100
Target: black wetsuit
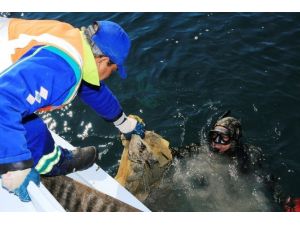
x,y
249,159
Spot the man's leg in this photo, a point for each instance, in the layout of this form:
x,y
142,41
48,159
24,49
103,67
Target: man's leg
x,y
49,158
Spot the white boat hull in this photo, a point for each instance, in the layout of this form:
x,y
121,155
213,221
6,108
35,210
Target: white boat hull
x,y
42,200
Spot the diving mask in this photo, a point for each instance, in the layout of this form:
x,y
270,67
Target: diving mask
x,y
220,135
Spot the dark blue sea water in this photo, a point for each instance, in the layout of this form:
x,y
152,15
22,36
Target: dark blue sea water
x,y
184,70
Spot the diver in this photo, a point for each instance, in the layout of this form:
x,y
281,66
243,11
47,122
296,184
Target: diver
x,y
226,138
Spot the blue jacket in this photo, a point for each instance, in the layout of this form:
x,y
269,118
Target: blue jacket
x,y
44,77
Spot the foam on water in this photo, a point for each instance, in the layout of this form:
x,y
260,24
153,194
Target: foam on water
x,y
208,182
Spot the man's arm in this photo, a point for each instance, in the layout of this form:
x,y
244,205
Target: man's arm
x,y
102,100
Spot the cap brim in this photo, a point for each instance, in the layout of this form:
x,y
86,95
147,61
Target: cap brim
x,y
122,72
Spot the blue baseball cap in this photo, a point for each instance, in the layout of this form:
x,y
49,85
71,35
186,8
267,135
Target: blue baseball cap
x,y
114,42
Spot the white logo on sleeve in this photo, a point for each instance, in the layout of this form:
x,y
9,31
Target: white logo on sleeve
x,y
43,93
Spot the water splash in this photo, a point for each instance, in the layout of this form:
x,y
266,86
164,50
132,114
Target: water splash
x,y
208,182
182,124
254,108
277,130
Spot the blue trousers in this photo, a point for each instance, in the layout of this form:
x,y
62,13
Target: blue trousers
x,y
42,146
39,139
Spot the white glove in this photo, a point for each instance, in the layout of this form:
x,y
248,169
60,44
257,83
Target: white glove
x,y
125,124
13,179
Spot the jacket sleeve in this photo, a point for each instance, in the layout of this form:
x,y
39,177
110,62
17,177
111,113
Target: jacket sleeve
x,y
102,100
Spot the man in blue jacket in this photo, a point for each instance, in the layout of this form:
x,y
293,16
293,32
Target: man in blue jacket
x,y
45,65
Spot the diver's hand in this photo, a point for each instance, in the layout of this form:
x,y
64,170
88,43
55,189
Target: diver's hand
x,y
131,125
17,182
